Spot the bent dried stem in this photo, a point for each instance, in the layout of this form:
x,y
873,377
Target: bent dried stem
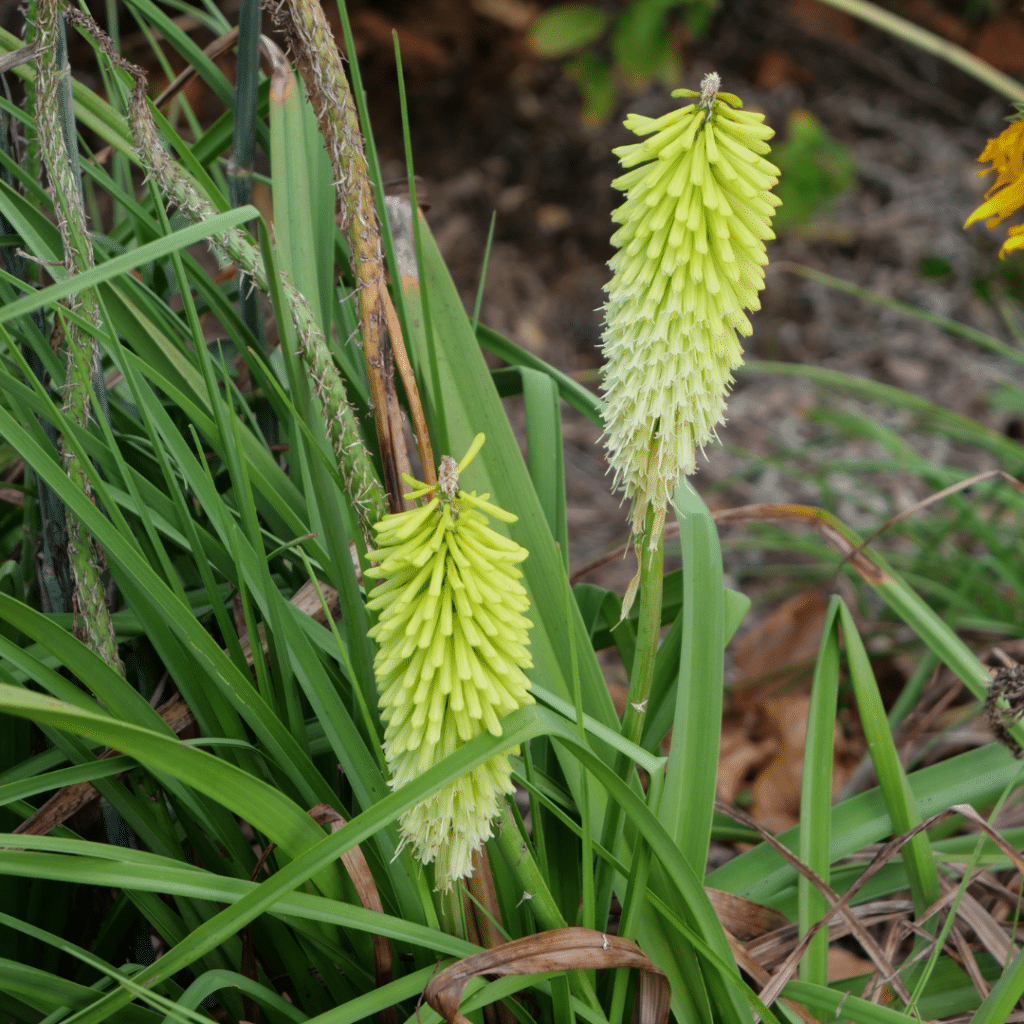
x,y
316,55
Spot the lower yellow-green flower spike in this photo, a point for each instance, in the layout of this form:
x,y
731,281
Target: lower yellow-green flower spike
x,y
452,645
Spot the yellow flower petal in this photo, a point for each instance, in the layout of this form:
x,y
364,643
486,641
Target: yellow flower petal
x,y
1006,195
1014,241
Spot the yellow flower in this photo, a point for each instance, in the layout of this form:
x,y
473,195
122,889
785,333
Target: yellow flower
x,y
690,262
452,645
1006,196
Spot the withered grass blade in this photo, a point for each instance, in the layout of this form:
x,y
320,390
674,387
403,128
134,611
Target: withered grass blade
x,y
987,930
756,970
771,949
971,915
827,526
831,530
563,949
839,905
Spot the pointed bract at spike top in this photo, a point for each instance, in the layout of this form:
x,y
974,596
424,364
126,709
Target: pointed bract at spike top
x,y
1006,196
691,261
452,645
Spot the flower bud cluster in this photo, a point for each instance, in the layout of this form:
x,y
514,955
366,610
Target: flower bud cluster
x,y
690,262
452,645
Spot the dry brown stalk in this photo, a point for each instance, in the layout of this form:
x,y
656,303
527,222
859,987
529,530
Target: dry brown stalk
x,y
362,878
316,55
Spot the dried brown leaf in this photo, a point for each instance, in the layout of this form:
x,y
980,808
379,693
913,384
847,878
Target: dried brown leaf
x,y
839,905
563,949
775,792
762,750
742,917
741,757
791,633
844,964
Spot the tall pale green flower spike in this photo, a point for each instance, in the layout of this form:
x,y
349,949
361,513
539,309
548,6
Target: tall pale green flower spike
x,y
452,642
691,259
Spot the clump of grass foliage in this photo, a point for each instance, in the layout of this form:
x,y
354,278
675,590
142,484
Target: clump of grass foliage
x,y
186,635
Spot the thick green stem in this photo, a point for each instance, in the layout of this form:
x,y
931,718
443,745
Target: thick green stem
x,y
651,554
633,903
452,915
59,151
517,853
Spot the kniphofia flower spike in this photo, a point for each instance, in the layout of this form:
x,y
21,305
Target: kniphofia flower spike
x,y
691,260
453,640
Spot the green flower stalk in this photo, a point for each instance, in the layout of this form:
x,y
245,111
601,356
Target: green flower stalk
x,y
691,260
453,643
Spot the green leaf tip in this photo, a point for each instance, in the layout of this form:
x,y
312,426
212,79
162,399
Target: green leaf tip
x,y
690,261
452,646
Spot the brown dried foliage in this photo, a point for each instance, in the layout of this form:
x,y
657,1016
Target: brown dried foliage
x,y
562,949
773,957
